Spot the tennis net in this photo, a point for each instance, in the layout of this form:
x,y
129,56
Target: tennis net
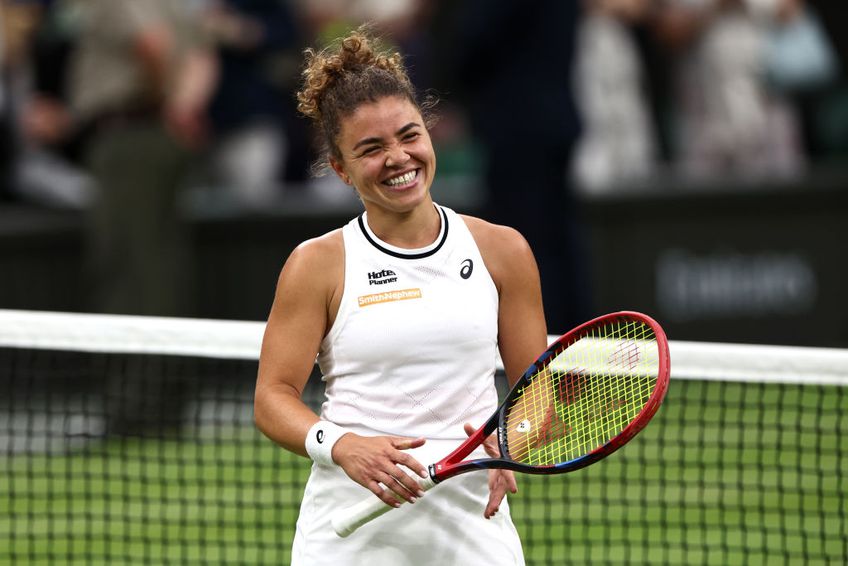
x,y
130,440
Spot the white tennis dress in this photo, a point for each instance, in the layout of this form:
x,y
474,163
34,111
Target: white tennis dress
x,y
412,353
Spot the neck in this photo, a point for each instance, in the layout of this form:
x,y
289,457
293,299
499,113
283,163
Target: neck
x,y
416,228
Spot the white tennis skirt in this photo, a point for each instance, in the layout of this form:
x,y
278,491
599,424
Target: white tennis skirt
x,y
446,526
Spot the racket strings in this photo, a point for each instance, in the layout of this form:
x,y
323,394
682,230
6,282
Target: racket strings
x,y
587,395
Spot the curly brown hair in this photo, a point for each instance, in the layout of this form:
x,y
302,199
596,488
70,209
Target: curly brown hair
x,y
347,74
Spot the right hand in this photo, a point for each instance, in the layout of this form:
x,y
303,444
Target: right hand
x,y
372,461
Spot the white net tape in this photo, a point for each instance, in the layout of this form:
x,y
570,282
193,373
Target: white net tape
x,y
242,340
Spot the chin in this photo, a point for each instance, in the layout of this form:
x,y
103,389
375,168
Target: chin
x,y
408,198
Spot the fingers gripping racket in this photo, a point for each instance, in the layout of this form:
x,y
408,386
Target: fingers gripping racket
x,y
585,397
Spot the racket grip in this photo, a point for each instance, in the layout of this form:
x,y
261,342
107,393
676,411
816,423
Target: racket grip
x,y
348,520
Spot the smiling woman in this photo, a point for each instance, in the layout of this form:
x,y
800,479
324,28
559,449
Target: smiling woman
x,y
406,308
373,125
386,154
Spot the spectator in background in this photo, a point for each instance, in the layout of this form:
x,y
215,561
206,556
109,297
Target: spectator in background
x,y
18,20
141,77
728,120
803,65
511,62
49,167
258,137
618,144
6,139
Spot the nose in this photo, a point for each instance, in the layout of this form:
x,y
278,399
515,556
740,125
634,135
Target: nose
x,y
396,155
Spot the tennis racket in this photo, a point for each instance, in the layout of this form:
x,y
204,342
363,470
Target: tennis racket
x,y
585,397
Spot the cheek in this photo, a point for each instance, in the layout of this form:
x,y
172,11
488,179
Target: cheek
x,y
370,169
426,152
366,171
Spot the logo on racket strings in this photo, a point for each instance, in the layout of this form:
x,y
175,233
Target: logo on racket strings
x,y
524,426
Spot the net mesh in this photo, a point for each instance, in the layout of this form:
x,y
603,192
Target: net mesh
x,y
125,456
588,393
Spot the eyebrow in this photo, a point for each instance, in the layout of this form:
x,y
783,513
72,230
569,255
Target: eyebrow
x,y
375,139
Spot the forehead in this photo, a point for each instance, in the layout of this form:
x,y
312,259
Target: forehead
x,y
381,118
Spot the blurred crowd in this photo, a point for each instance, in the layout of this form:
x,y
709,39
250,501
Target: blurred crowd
x,y
114,106
747,89
699,88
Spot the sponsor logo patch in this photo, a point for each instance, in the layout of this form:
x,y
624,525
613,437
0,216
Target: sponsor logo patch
x,y
389,297
382,277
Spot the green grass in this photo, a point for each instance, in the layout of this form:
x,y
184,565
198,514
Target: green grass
x,y
714,479
234,500
726,474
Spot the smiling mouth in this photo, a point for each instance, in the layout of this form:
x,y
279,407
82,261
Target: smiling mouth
x,y
402,180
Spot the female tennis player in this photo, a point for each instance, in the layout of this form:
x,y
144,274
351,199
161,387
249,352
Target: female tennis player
x,y
406,308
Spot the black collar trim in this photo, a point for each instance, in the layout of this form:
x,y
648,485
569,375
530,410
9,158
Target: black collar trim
x,y
398,254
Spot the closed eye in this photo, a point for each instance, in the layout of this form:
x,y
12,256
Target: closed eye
x,y
369,150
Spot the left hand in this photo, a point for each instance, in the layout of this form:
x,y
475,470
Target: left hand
x,y
500,481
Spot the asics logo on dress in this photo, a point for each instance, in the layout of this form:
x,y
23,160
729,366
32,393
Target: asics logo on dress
x,y
382,277
467,269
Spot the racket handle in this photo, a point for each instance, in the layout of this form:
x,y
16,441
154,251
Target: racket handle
x,y
348,520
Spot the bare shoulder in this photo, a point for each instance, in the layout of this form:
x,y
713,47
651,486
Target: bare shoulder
x,y
496,236
300,313
503,248
315,262
324,250
521,320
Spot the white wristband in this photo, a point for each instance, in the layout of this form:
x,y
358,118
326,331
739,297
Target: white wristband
x,y
320,441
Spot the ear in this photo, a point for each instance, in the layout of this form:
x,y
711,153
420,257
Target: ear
x,y
339,169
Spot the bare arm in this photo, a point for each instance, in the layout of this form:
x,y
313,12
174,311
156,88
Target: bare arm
x,y
182,81
153,46
522,334
186,105
298,320
307,298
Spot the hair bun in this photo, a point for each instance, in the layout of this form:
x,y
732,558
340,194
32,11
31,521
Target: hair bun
x,y
354,70
352,56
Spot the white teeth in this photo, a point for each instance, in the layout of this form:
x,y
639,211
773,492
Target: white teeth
x,y
402,180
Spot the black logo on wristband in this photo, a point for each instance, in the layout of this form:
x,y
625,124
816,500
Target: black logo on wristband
x,y
319,436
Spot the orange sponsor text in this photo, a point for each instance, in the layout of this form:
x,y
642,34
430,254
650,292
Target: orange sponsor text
x,y
389,296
